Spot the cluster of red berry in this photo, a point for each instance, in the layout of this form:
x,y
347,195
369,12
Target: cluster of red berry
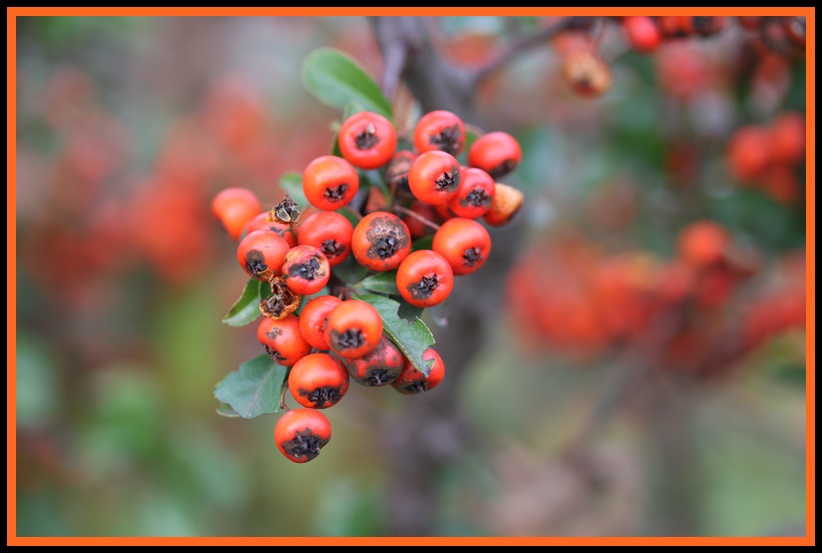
x,y
768,156
337,337
572,296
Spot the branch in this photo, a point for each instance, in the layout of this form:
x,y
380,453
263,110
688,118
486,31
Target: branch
x,y
527,43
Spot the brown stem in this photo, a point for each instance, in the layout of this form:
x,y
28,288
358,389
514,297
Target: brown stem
x,y
524,44
416,216
283,406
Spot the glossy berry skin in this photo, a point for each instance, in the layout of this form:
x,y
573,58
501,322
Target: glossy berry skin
x,y
330,232
306,270
261,254
318,380
412,381
313,319
378,368
300,434
440,130
282,340
380,241
354,329
496,153
434,177
642,33
261,222
425,278
367,140
475,194
330,182
234,208
464,243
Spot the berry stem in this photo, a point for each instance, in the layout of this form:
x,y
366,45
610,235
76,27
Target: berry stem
x,y
283,406
417,216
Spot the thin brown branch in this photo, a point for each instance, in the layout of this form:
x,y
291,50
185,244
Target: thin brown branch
x,y
527,43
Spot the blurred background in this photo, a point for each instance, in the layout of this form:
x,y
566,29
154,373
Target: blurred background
x,y
630,361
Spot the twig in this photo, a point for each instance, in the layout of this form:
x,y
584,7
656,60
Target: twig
x,y
417,216
523,45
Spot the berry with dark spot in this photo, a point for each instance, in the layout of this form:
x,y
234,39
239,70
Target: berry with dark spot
x,y
330,182
234,208
318,380
464,243
367,140
282,340
434,177
475,194
282,302
440,130
380,241
425,278
412,381
378,368
262,253
313,319
354,329
300,434
306,269
330,232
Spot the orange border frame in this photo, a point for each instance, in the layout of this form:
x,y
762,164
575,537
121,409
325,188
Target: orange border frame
x,y
13,13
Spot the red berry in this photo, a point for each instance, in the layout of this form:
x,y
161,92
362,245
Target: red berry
x,y
235,207
301,433
330,232
475,194
354,329
330,182
440,130
412,381
642,33
378,368
313,319
306,270
380,241
425,278
282,340
496,153
464,243
262,253
261,222
318,380
367,140
749,153
434,177
703,243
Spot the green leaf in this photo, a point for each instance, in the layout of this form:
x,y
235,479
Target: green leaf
x,y
247,308
337,80
349,270
382,283
410,312
412,337
254,389
292,184
225,410
424,243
